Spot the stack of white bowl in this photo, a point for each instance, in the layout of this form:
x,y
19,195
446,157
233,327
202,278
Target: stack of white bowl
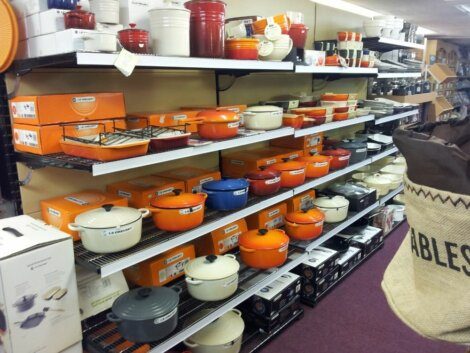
x,y
384,26
275,50
169,29
397,27
106,11
374,28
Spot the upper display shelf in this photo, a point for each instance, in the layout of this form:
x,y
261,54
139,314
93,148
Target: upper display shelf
x,y
387,44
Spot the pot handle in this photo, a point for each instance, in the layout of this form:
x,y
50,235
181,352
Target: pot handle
x,y
74,227
13,231
231,256
193,281
154,210
238,312
246,249
295,225
203,194
113,318
190,344
145,212
247,114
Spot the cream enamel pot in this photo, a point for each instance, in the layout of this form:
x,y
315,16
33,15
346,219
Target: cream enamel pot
x,y
379,182
263,117
212,278
335,208
223,335
109,228
395,180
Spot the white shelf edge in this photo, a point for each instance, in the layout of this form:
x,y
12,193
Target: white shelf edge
x,y
401,43
301,69
391,195
332,126
153,61
399,75
185,333
387,119
384,154
152,159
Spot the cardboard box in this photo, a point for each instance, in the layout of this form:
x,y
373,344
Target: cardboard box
x,y
42,46
367,240
313,150
141,191
311,291
300,143
193,177
52,21
170,119
442,73
46,139
270,218
33,26
161,269
62,108
62,210
237,164
221,240
301,201
97,294
349,260
38,263
320,262
131,11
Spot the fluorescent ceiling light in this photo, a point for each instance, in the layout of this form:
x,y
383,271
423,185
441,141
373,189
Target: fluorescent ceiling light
x,y
424,31
346,6
464,8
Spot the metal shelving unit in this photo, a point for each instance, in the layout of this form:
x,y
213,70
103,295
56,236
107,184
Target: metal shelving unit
x,y
384,154
387,119
387,44
336,70
399,74
332,126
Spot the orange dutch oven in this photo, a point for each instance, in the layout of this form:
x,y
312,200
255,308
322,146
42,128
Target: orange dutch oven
x,y
305,225
292,172
217,124
317,165
262,248
178,211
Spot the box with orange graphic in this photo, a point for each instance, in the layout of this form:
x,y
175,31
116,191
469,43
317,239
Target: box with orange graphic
x,y
62,210
301,201
62,108
221,240
141,191
175,119
300,143
193,177
237,164
45,139
313,150
269,218
161,269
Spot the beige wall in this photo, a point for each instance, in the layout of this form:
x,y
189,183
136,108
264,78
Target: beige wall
x,y
167,90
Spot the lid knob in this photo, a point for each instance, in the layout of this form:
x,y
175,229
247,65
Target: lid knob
x,y
263,167
108,207
262,231
144,292
177,192
132,25
78,7
286,159
211,258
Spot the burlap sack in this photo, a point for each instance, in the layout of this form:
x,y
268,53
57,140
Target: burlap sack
x,y
427,284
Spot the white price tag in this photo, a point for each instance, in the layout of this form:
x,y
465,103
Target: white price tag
x,y
126,62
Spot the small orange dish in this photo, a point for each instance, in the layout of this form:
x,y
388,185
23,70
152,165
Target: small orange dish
x,y
341,110
335,97
340,116
310,111
293,120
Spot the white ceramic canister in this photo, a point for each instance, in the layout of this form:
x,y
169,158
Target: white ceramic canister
x,y
106,11
169,28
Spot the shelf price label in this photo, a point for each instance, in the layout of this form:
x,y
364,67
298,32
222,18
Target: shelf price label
x,y
126,62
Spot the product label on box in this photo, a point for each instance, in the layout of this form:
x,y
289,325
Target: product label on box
x,y
77,200
271,161
228,243
26,138
318,256
190,210
125,194
297,172
275,223
294,156
23,110
272,290
314,140
165,191
231,229
306,202
90,99
166,317
53,212
320,164
116,231
86,127
237,162
274,212
273,181
240,192
173,258
180,117
172,271
205,180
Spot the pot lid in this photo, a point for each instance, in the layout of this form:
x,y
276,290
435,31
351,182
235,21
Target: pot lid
x,y
24,299
221,331
264,109
263,239
288,165
311,216
178,199
108,216
212,267
352,144
377,179
145,303
78,10
336,152
331,202
263,174
394,169
314,158
225,185
132,30
218,116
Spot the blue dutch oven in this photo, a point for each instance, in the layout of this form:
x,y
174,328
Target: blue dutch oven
x,y
62,4
227,194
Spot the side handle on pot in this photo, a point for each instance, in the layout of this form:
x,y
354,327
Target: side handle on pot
x,y
295,225
13,231
246,249
238,312
74,227
154,210
113,318
145,212
193,281
190,344
230,256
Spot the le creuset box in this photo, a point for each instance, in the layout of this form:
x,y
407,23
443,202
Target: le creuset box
x,y
46,139
301,201
61,108
311,291
271,323
161,269
321,261
349,260
269,218
141,191
193,178
221,240
96,294
42,45
132,11
35,250
367,240
359,197
384,219
299,143
238,164
168,119
313,150
72,40
268,301
33,26
62,210
52,21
